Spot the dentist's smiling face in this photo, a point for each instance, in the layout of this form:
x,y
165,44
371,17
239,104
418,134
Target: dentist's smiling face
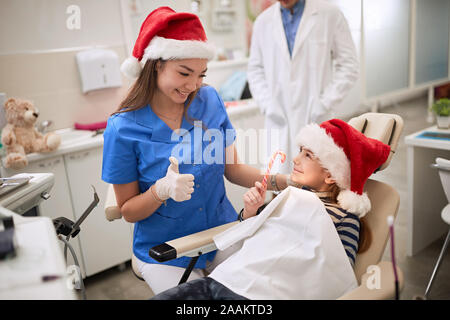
x,y
179,78
308,171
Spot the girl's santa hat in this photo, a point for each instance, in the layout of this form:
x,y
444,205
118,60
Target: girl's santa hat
x,y
349,156
167,34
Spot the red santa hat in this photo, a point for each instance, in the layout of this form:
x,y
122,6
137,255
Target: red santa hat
x,y
168,35
349,156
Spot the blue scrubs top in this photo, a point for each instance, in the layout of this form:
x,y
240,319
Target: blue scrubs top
x,y
137,146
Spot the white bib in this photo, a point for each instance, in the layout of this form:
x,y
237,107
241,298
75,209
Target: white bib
x,y
291,250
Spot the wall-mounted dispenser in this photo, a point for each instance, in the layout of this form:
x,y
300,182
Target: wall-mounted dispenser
x,y
99,69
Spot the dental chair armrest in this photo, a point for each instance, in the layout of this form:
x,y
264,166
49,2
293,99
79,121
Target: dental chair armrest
x,y
112,210
189,246
112,213
386,289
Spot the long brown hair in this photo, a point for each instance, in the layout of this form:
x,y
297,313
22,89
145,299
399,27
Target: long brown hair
x,y
365,234
144,88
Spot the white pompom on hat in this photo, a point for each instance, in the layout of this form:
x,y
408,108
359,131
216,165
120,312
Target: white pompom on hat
x,y
349,156
167,34
131,68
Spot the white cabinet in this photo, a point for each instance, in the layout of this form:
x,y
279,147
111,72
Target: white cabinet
x,y
100,244
104,244
59,204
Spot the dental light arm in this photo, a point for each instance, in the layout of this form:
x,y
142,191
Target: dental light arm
x,y
67,227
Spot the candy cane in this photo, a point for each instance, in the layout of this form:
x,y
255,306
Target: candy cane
x,y
269,167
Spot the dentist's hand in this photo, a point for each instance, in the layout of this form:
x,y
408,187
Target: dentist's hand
x,y
175,185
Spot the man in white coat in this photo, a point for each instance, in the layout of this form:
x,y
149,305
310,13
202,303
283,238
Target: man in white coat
x,y
302,65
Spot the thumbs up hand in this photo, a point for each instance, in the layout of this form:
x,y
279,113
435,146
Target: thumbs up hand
x,y
175,185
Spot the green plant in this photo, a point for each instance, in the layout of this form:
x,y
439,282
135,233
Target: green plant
x,y
441,107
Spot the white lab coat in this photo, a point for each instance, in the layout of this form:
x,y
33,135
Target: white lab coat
x,y
291,250
294,91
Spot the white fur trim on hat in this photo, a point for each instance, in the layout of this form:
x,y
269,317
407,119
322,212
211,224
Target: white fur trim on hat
x,y
354,203
330,155
167,49
131,68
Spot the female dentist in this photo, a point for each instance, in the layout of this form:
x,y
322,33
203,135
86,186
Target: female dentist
x,y
157,121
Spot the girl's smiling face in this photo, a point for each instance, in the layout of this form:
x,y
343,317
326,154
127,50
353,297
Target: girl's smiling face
x,y
309,172
177,79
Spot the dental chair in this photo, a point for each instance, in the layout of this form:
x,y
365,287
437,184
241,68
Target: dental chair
x,y
368,265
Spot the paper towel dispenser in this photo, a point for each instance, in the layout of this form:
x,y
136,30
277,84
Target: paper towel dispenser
x,y
99,69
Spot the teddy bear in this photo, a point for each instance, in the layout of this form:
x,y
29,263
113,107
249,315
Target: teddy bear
x,y
20,136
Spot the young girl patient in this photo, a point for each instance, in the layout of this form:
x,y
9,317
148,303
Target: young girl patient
x,y
333,163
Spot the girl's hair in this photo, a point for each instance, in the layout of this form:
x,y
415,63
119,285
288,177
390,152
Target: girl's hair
x,y
365,235
143,90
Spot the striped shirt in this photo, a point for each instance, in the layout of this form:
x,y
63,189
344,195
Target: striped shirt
x,y
347,224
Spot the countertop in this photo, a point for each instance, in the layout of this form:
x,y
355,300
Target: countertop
x,y
93,140
414,140
82,144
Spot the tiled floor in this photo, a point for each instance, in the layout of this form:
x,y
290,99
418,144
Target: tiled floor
x,y
122,284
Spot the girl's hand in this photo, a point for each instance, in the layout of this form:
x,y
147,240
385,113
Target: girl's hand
x,y
253,199
174,185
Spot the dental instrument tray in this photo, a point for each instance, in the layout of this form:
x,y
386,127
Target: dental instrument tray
x,y
9,184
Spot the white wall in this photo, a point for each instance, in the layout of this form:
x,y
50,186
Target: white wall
x,y
28,26
37,52
234,39
37,56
